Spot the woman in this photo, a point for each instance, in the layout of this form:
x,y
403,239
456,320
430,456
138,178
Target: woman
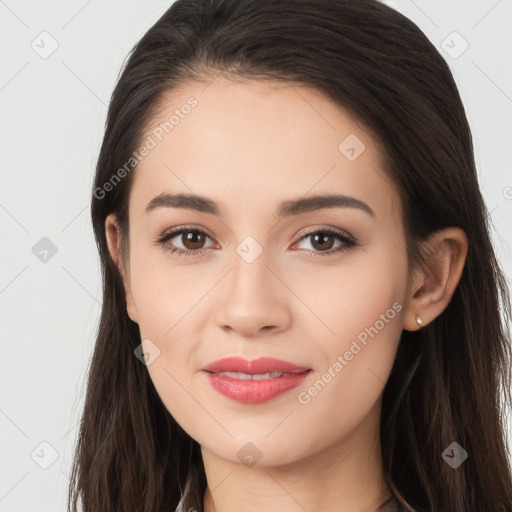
x,y
301,300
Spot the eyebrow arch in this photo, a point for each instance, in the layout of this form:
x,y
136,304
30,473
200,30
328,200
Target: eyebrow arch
x,y
286,208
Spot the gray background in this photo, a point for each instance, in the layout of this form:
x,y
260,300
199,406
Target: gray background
x,y
53,112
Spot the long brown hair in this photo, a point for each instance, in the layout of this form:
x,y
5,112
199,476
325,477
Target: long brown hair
x,y
449,377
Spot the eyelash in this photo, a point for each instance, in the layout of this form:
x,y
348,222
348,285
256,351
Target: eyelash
x,y
348,242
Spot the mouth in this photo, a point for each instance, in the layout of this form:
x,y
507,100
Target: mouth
x,y
256,381
260,366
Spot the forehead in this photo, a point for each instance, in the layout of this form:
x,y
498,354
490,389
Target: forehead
x,y
258,141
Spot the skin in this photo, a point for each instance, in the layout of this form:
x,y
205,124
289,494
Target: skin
x,y
250,146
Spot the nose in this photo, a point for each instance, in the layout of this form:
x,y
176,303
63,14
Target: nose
x,y
254,300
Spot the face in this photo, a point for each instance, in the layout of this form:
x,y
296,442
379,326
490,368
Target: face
x,y
256,274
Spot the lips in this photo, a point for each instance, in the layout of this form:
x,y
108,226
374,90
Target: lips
x,y
255,381
253,367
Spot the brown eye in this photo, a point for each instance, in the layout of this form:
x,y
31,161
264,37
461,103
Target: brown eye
x,y
184,241
193,240
322,241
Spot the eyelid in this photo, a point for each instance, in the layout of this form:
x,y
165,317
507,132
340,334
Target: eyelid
x,y
346,237
179,229
328,229
308,231
171,233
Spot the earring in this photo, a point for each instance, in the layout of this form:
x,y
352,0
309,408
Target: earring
x,y
419,321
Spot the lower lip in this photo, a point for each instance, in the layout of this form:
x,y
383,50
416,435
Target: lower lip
x,y
255,391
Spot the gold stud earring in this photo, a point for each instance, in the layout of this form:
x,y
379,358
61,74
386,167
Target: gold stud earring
x,y
419,321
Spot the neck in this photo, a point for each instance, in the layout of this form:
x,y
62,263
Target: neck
x,y
345,477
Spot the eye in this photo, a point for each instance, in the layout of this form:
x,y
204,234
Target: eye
x,y
322,241
192,239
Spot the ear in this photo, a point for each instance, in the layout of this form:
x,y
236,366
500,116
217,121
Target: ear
x,y
432,288
113,235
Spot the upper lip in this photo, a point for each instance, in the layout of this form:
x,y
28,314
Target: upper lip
x,y
254,366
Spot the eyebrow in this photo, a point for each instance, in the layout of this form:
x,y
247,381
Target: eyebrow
x,y
286,208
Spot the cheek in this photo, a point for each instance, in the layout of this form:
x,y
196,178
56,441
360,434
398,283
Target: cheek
x,y
358,361
164,294
349,297
361,308
168,303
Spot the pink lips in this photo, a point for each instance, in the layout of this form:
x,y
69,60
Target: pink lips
x,y
261,365
254,391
